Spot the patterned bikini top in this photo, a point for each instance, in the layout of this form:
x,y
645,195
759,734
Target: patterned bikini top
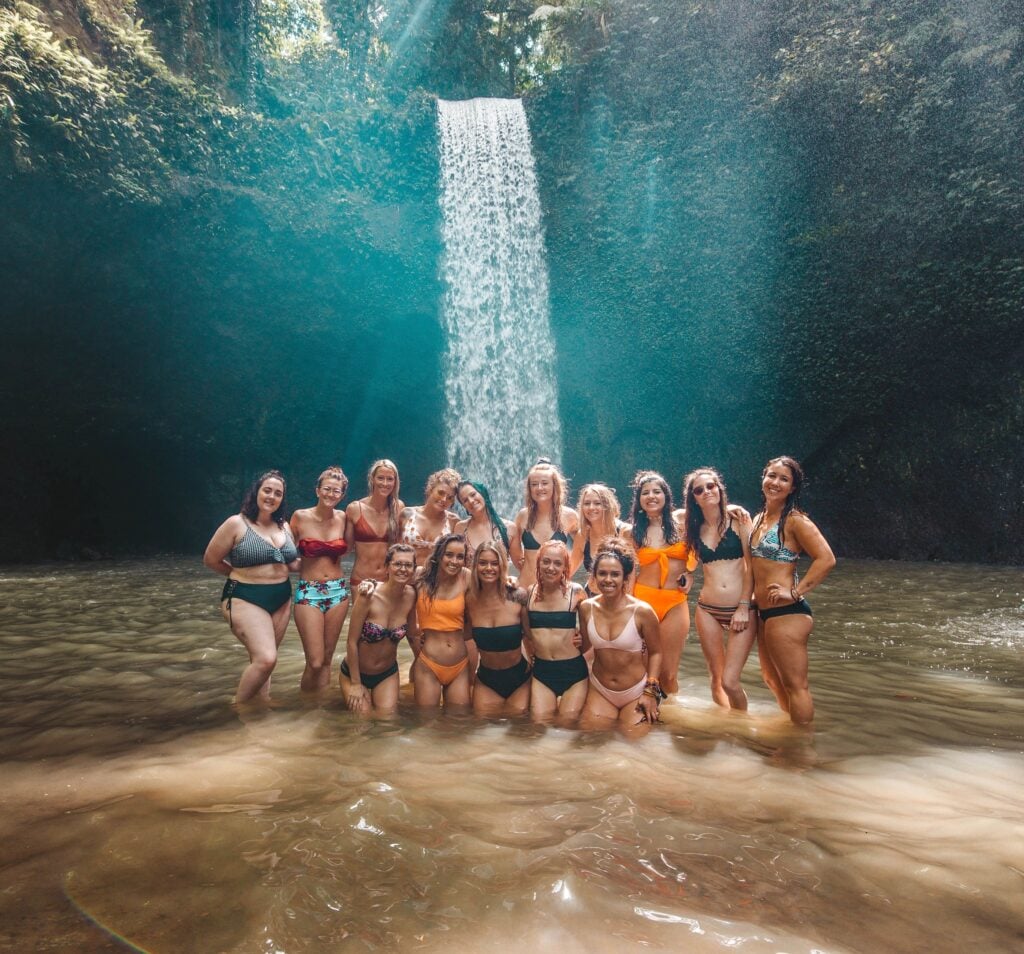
x,y
770,548
375,633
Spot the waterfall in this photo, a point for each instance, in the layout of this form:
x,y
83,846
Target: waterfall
x,y
502,410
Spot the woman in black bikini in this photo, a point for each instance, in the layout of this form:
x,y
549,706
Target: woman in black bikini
x,y
372,524
781,533
494,614
551,625
321,595
599,511
543,518
254,550
721,541
381,619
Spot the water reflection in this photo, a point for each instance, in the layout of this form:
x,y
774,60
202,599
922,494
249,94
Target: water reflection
x,y
138,805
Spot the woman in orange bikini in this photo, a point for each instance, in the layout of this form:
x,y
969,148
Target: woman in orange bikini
x,y
423,526
721,540
666,567
543,518
321,596
372,523
442,660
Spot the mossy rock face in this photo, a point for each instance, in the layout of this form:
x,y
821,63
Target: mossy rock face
x,y
798,231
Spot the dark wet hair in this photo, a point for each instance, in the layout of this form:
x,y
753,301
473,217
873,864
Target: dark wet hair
x,y
429,581
496,522
792,504
617,549
694,515
638,517
250,505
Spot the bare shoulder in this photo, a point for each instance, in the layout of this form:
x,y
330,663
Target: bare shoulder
x,y
644,612
571,519
462,526
353,509
518,594
520,520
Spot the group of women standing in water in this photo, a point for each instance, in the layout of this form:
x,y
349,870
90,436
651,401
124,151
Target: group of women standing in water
x,y
607,650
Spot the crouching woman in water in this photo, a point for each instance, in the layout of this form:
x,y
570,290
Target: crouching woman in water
x,y
442,658
781,533
624,685
551,622
254,550
381,618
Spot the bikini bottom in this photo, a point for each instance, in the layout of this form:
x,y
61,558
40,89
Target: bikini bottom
x,y
720,614
504,681
559,675
269,597
370,679
320,594
661,601
620,697
799,608
446,675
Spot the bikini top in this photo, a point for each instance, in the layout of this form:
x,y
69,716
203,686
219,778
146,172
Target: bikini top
x,y
530,541
588,560
498,639
362,532
770,548
553,619
311,547
730,547
629,639
256,550
375,633
412,536
441,616
661,555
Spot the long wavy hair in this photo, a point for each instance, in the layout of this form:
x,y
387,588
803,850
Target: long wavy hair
x,y
792,504
430,582
559,494
610,506
639,518
250,505
694,515
497,524
489,546
563,583
393,498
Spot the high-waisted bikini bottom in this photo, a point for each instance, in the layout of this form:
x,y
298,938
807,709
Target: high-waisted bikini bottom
x,y
660,600
560,675
267,596
504,681
321,594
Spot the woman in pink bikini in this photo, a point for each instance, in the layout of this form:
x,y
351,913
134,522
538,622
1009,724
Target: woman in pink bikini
x,y
623,632
372,523
321,596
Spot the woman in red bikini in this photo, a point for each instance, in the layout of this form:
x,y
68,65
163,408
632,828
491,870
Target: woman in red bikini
x,y
372,523
321,596
621,629
442,659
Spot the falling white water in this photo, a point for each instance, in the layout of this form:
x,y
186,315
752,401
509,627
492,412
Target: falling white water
x,y
500,371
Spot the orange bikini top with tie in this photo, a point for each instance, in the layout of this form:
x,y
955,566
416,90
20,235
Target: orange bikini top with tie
x,y
677,551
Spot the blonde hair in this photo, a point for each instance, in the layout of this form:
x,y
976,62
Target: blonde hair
x,y
489,546
446,475
334,472
611,507
559,494
393,522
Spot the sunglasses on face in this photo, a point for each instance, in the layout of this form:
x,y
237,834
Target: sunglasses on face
x,y
699,491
